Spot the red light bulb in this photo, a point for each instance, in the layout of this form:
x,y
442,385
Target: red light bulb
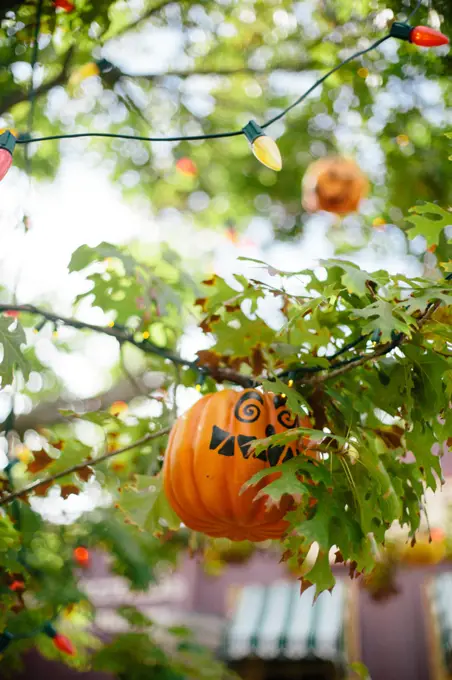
x,y
6,160
81,556
428,37
64,4
63,643
7,144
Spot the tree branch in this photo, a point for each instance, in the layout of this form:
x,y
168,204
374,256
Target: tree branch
x,y
363,358
8,102
80,466
225,374
122,336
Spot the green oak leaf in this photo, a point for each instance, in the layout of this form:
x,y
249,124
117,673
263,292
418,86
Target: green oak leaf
x,y
147,506
317,528
85,255
294,399
320,575
420,441
429,221
382,318
12,336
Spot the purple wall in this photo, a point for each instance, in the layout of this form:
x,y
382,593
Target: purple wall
x,y
392,632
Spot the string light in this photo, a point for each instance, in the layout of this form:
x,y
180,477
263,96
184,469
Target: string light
x,y
5,639
7,144
423,36
64,5
61,642
81,556
263,147
200,380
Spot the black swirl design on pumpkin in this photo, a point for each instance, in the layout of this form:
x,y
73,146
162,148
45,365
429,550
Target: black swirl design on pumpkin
x,y
284,418
248,412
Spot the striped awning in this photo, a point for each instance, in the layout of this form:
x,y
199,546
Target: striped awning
x,y
440,595
276,622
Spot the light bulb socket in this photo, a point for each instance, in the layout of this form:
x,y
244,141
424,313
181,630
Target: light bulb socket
x,y
7,141
49,630
104,65
401,31
5,638
252,131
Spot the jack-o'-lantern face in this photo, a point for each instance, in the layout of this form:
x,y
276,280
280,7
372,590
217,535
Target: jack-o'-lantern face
x,y
336,185
247,411
208,460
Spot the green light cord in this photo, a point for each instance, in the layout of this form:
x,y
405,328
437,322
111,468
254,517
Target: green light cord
x,y
27,139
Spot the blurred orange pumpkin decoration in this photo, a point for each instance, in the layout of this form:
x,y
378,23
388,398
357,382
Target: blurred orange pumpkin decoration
x,y
334,184
208,460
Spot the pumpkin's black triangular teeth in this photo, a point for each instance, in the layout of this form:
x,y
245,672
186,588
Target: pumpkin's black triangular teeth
x,y
218,437
244,441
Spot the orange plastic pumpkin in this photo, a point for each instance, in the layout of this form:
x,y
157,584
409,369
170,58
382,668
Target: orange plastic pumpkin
x,y
334,184
208,461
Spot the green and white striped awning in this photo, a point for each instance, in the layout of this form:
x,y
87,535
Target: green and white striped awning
x,y
440,593
274,621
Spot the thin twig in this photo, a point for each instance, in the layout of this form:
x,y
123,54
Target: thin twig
x,y
137,23
80,466
123,336
379,352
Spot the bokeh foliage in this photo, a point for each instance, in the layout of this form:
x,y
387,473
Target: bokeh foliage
x,y
379,425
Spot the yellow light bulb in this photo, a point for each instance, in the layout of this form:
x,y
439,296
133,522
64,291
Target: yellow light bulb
x,y
263,147
85,71
267,152
290,382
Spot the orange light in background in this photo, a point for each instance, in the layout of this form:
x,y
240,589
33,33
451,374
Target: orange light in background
x,y
402,140
64,4
17,586
232,235
81,556
186,167
118,407
437,534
